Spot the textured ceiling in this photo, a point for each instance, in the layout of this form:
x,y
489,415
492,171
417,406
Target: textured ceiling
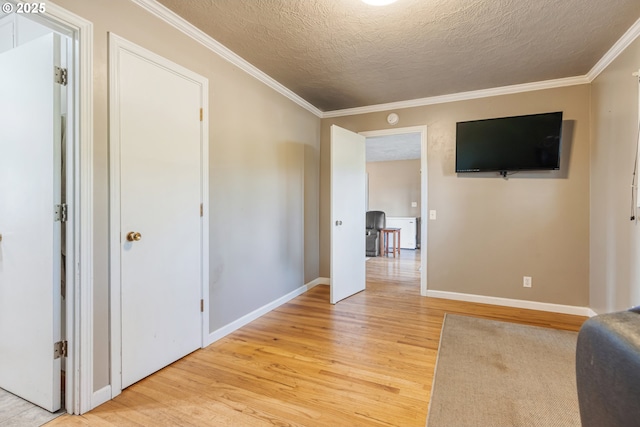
x,y
404,146
343,53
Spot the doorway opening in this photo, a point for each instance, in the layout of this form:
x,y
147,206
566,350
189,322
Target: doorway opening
x,y
396,166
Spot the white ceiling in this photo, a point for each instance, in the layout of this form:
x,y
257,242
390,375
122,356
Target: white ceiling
x,y
404,146
339,54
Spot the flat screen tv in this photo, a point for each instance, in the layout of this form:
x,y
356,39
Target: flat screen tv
x,y
505,144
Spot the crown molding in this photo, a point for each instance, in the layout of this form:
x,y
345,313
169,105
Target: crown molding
x,y
218,48
461,96
171,18
627,38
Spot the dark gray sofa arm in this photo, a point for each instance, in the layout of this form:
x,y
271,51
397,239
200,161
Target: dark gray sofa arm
x,y
608,370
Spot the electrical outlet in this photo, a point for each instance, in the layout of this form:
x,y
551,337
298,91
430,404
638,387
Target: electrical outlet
x,y
432,214
414,204
526,281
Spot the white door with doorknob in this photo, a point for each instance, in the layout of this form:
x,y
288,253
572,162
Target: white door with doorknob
x,y
158,227
348,240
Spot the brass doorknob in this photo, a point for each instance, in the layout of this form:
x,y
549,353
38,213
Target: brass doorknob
x,y
134,236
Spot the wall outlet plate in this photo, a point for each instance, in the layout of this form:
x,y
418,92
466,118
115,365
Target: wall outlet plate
x,y
526,281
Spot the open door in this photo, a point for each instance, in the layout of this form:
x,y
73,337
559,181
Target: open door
x,y
348,182
30,249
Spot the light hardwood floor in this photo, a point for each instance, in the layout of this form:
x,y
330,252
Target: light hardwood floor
x,y
366,361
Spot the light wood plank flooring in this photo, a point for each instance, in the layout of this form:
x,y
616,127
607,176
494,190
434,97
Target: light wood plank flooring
x,y
367,361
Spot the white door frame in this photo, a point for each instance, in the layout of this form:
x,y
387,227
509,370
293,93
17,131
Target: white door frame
x,y
424,200
79,228
116,45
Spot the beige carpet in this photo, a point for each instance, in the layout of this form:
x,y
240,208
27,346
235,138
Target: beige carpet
x,y
15,412
499,374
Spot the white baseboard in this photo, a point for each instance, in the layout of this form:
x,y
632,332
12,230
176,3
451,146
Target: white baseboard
x,y
516,303
591,313
237,324
101,396
319,281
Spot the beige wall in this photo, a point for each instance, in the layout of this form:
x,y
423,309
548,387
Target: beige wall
x,y
615,249
264,173
492,231
393,186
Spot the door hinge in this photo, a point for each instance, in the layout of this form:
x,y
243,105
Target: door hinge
x,y
60,75
201,114
60,349
201,306
60,213
201,210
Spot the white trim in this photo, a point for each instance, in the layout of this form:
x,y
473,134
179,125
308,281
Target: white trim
x,y
79,371
627,38
461,96
318,281
424,193
424,220
101,396
516,303
118,44
591,313
115,316
219,49
393,131
205,213
634,183
255,314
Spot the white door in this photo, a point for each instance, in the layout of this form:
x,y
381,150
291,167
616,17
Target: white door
x,y
160,214
30,251
348,181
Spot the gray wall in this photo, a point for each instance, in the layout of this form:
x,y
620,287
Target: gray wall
x,y
490,232
264,170
615,250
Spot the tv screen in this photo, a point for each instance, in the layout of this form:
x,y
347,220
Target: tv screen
x,y
518,143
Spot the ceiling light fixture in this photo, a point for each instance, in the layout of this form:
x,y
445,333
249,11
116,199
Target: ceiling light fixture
x,y
379,2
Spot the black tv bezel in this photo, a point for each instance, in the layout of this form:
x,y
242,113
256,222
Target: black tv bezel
x,y
504,171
